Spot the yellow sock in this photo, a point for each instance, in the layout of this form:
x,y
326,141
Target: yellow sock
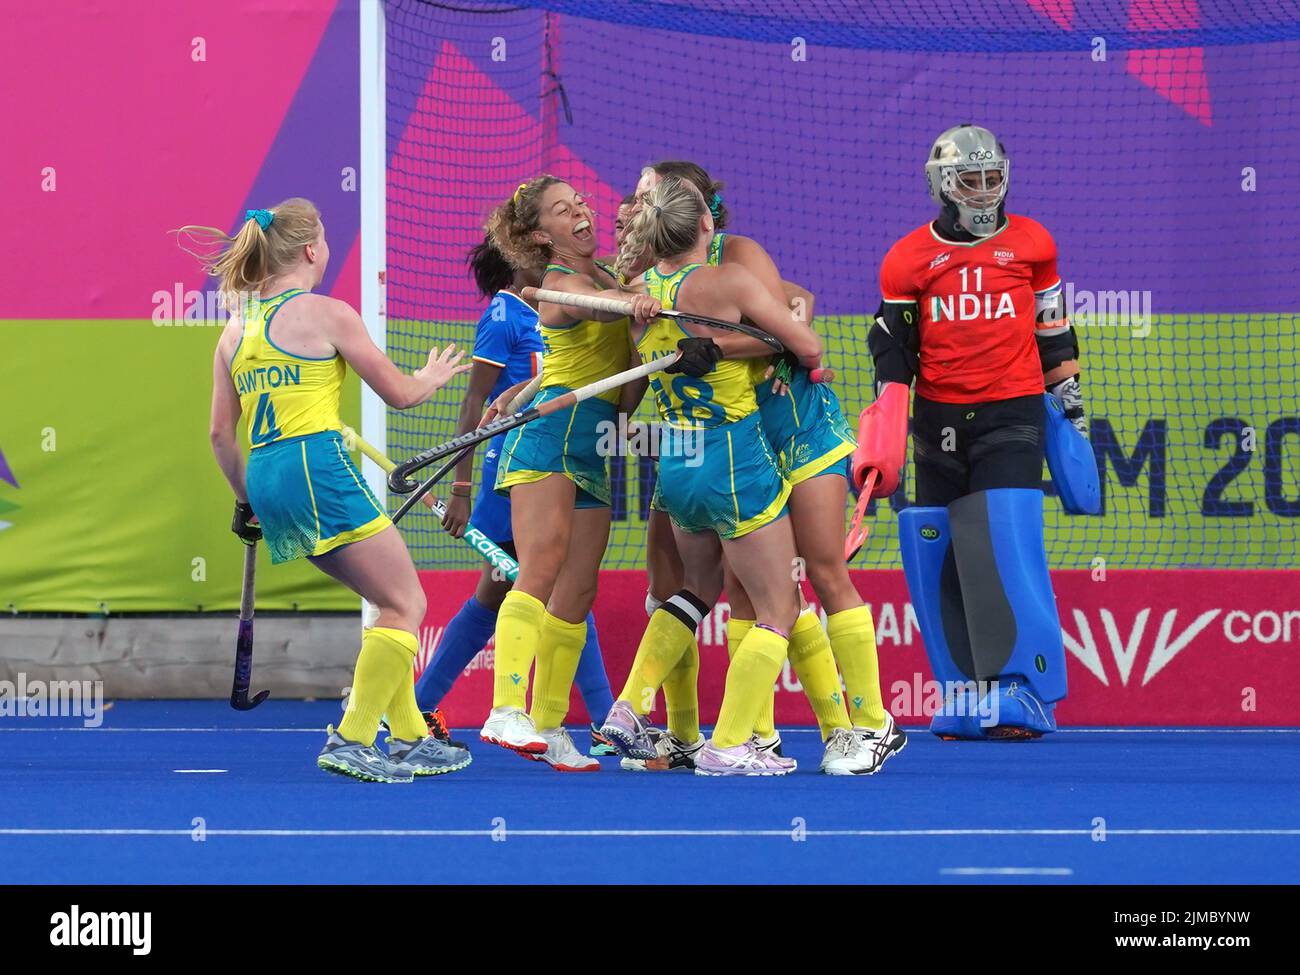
x,y
518,623
681,695
405,722
853,639
765,726
668,636
810,655
559,645
750,677
385,663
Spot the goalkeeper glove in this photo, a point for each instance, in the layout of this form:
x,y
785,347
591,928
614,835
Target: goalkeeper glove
x,y
1069,393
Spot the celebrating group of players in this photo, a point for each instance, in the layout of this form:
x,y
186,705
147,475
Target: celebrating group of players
x,y
970,312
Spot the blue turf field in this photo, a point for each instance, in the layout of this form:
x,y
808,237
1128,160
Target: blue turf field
x,y
108,806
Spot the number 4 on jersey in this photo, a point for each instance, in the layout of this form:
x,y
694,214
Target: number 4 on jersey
x,y
264,426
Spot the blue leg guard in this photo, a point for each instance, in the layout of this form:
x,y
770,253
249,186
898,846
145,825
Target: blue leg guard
x,y
1015,633
977,574
931,570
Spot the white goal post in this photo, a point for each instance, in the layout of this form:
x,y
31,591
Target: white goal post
x,y
374,165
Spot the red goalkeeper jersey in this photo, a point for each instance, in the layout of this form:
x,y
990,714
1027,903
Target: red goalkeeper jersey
x,y
977,305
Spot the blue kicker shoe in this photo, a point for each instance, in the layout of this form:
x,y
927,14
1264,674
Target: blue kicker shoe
x,y
365,762
1021,716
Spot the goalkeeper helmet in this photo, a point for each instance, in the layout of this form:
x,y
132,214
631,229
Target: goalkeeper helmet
x,y
967,172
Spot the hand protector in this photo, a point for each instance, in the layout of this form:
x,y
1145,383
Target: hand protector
x,y
699,356
245,524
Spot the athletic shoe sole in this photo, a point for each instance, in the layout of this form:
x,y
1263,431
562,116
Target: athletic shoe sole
x,y
340,768
1003,733
443,770
528,749
569,768
626,744
722,775
656,764
998,734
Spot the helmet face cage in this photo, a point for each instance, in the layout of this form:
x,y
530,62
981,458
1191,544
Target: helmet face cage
x,y
978,186
968,170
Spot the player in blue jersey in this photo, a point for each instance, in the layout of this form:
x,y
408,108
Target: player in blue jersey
x,y
507,352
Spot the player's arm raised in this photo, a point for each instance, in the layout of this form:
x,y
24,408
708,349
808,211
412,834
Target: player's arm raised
x,y
799,299
756,303
344,328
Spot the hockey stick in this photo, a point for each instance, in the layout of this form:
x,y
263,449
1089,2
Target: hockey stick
x,y
619,307
495,555
616,306
857,534
399,481
244,645
422,490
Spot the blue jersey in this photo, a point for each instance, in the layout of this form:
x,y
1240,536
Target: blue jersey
x,y
508,335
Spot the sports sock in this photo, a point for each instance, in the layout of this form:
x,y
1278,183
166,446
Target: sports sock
x,y
592,681
750,677
814,665
384,663
765,726
667,636
466,634
405,721
559,645
681,695
519,622
853,639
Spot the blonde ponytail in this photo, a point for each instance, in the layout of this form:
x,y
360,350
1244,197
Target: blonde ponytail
x,y
666,225
268,244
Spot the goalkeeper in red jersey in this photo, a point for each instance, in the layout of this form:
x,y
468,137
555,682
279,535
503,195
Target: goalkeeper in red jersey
x,y
972,312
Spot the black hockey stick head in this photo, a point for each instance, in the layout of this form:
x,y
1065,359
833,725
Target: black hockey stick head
x,y
240,702
239,699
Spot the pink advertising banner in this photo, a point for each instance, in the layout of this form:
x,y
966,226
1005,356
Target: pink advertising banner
x,y
1143,648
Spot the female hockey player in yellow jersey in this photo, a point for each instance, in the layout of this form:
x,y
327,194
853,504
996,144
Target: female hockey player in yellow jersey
x,y
719,480
280,362
556,476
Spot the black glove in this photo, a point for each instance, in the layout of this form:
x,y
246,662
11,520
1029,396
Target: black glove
x,y
783,367
244,526
699,356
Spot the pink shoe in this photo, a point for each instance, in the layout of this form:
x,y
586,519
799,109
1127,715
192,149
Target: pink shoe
x,y
770,752
743,759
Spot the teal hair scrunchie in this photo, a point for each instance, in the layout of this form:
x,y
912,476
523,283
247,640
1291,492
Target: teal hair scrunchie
x,y
715,205
263,217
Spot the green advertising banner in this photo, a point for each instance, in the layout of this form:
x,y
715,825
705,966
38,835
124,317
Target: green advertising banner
x,y
110,500
1196,432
